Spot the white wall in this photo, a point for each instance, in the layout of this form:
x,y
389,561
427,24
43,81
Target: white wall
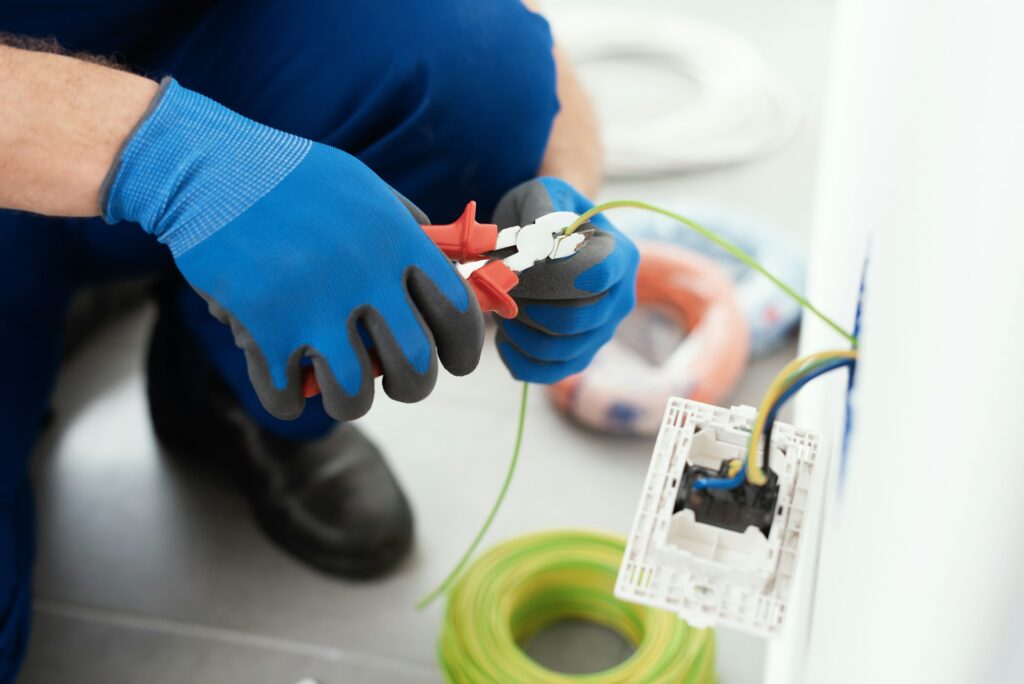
x,y
923,546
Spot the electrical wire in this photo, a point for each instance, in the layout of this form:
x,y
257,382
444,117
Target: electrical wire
x,y
754,473
770,313
523,585
808,375
786,387
790,379
453,575
732,482
721,242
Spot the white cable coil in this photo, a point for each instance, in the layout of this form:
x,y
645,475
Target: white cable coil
x,y
740,108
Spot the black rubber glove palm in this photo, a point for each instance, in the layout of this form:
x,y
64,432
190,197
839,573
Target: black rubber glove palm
x,y
568,308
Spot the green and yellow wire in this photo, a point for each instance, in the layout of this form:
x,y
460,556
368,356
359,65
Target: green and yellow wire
x,y
523,585
721,242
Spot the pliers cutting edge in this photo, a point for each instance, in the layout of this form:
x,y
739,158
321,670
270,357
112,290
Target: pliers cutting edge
x,y
500,256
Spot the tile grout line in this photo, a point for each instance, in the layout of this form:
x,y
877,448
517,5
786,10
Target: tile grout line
x,y
225,636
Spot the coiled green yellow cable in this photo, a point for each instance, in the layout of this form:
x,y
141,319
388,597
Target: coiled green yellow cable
x,y
525,584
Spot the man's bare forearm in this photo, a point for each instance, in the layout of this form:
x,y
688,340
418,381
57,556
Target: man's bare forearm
x,y
62,122
574,150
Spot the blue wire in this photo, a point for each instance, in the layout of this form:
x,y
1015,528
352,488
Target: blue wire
x,y
736,480
722,482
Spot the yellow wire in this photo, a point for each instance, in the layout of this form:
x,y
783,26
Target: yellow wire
x,y
779,385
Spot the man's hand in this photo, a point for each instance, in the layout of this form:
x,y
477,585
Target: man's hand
x,y
302,249
568,309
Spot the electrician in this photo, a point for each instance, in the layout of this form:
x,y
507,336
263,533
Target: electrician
x,y
271,162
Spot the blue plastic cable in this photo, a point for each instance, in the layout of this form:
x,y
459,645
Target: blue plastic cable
x,y
722,482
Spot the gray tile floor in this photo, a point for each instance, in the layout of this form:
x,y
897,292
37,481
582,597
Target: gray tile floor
x,y
150,568
149,564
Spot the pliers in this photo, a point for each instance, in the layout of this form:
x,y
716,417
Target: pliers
x,y
495,258
503,253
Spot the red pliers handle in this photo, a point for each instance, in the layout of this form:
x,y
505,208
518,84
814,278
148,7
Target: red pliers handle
x,y
464,241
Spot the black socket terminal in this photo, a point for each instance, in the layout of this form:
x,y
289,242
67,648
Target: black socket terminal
x,y
731,509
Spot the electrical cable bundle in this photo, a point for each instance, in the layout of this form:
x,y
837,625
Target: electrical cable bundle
x,y
790,379
523,585
732,107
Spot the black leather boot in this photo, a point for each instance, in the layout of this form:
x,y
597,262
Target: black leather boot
x,y
332,502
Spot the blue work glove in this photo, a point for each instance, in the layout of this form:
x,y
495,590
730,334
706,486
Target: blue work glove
x,y
301,249
568,308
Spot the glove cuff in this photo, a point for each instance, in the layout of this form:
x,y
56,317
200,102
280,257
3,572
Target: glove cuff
x,y
191,166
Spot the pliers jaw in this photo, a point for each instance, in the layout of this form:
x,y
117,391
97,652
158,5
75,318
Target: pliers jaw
x,y
506,252
517,247
542,239
567,245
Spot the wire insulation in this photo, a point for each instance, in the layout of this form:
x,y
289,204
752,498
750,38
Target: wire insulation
x,y
732,482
